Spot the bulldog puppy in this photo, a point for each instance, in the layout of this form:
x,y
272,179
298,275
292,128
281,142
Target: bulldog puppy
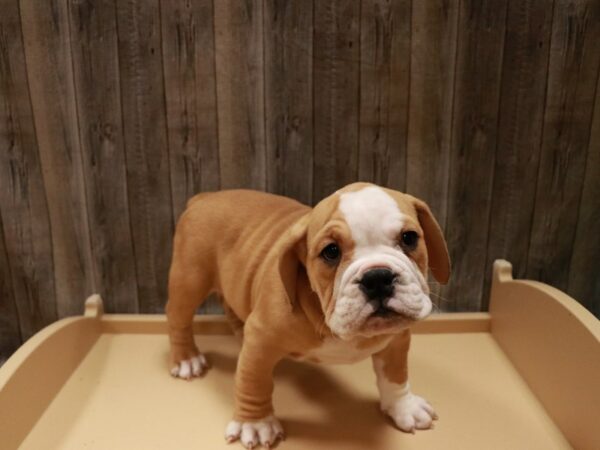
x,y
331,284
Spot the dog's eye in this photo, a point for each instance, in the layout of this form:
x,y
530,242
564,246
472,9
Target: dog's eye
x,y
331,253
410,239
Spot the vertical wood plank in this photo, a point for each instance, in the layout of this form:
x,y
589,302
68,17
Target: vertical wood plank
x,y
240,93
190,89
336,66
23,202
146,148
288,30
96,73
524,77
47,45
432,63
433,58
584,270
385,45
474,134
573,72
10,335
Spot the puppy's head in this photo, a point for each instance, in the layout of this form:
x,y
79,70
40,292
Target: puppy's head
x,y
366,251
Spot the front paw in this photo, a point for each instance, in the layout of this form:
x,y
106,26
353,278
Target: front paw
x,y
266,431
411,412
193,366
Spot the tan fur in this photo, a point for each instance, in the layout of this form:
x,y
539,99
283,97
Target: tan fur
x,y
394,358
260,253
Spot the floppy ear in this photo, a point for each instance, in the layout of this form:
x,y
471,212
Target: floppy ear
x,y
291,254
437,251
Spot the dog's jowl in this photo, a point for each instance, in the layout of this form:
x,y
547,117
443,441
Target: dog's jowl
x,y
336,283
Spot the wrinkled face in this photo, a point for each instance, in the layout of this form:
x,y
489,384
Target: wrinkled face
x,y
367,260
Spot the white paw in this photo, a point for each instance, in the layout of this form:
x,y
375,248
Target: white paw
x,y
411,412
265,431
193,367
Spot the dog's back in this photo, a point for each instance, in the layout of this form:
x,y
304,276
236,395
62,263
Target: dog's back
x,y
248,224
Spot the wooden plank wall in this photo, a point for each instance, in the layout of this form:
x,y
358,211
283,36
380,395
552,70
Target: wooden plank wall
x,y
114,112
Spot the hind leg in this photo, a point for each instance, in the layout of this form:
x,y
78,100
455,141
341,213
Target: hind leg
x,y
187,290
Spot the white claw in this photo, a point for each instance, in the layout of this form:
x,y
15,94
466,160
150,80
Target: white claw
x,y
278,430
196,367
185,370
203,361
233,430
265,431
265,435
249,435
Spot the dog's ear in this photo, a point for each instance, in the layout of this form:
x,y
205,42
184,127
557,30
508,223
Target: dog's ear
x,y
292,253
437,251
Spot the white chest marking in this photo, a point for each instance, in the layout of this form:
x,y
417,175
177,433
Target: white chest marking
x,y
337,351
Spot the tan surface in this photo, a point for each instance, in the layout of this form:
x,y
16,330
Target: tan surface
x,y
554,343
121,397
31,377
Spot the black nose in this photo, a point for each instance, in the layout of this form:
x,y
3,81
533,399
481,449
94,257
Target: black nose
x,y
377,284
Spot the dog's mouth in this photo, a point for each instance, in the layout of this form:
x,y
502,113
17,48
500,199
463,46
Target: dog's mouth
x,y
383,320
384,313
393,309
390,317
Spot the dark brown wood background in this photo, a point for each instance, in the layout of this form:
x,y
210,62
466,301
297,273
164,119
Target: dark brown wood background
x,y
114,112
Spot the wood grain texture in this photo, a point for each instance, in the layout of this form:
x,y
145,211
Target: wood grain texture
x,y
188,48
146,148
336,81
23,203
524,75
115,112
584,267
47,44
432,62
573,73
96,73
385,44
434,32
288,33
240,93
474,135
190,89
10,332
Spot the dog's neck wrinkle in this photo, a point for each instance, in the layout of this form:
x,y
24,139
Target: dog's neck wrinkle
x,y
309,302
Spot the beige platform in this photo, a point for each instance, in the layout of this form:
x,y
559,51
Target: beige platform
x,y
524,376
